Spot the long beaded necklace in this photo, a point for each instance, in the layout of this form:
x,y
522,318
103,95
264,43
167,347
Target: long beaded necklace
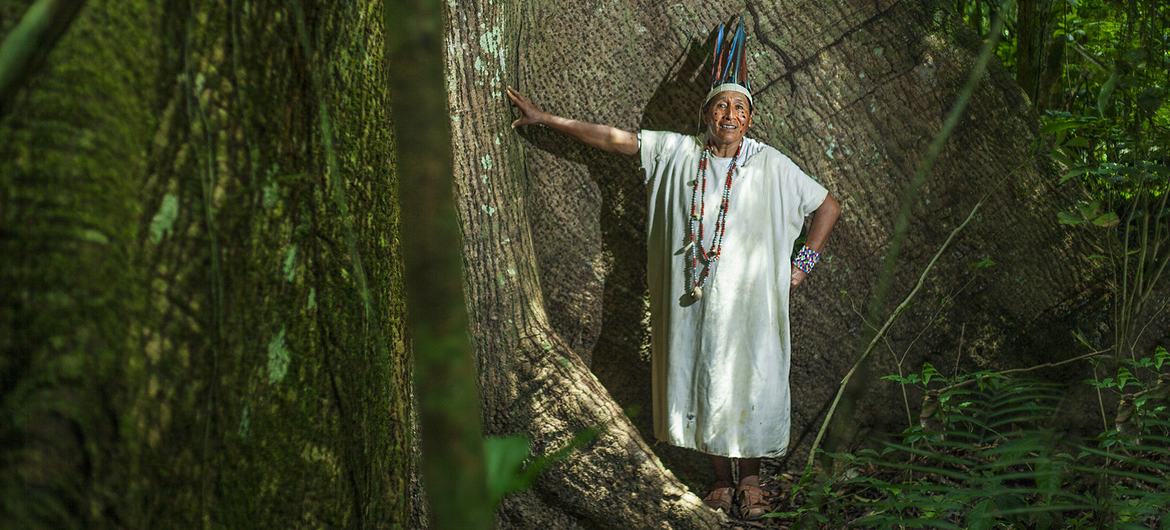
x,y
695,251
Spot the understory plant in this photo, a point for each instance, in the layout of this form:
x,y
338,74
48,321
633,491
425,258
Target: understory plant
x,y
995,450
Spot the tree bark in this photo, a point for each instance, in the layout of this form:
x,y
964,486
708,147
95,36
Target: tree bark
x,y
1038,53
201,323
554,248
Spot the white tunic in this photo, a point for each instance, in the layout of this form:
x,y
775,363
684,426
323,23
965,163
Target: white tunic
x,y
720,365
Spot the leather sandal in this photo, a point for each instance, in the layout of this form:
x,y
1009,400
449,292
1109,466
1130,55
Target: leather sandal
x,y
751,503
720,499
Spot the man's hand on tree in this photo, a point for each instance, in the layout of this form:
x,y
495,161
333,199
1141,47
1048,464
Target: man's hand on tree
x,y
798,276
529,113
600,136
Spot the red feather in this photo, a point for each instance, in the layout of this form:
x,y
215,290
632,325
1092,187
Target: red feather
x,y
719,69
742,66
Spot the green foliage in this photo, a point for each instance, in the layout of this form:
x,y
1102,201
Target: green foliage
x,y
988,453
1099,72
1107,133
924,378
511,467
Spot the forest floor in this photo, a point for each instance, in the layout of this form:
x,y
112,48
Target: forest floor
x,y
777,488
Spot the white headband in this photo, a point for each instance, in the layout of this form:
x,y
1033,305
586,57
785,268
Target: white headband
x,y
728,87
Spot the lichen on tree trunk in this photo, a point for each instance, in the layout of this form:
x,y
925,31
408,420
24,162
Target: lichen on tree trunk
x,y
554,243
186,337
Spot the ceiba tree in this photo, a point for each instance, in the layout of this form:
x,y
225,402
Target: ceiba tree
x,y
198,225
853,92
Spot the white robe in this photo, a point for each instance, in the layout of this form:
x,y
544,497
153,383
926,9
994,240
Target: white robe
x,y
720,365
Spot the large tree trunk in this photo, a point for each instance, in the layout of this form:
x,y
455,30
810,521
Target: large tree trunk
x,y
1039,53
553,232
200,324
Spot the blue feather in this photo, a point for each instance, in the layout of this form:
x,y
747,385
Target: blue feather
x,y
736,50
715,60
730,58
741,65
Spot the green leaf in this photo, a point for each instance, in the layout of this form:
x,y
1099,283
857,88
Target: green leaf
x,y
1102,383
1080,336
980,518
1048,476
1075,172
1059,125
929,372
1106,220
1160,356
1089,210
908,380
1068,219
1106,94
504,458
1124,377
985,263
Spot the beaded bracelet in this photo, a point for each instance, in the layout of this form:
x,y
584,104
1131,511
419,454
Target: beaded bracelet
x,y
806,259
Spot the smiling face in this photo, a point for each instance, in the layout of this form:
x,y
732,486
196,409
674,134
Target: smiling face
x,y
728,116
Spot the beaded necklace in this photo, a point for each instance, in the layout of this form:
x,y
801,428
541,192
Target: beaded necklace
x,y
695,252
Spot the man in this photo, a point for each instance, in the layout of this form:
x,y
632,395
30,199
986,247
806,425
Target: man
x,y
724,213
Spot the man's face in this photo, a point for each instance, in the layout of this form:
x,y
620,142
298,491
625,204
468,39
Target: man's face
x,y
728,117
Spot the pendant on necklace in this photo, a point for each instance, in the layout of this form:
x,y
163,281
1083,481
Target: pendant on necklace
x,y
696,292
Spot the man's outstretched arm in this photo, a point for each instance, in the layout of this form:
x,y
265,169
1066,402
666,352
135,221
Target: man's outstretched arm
x,y
600,136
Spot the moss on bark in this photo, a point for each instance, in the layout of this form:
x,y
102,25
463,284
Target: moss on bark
x,y
185,340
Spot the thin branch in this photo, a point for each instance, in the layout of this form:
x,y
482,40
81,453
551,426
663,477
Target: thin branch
x,y
24,49
961,384
1100,402
942,305
959,354
905,396
1081,50
1153,317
